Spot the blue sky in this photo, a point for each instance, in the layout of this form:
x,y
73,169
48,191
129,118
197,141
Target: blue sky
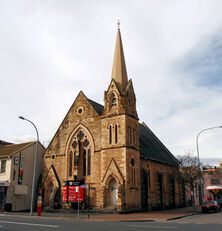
x,y
50,50
203,62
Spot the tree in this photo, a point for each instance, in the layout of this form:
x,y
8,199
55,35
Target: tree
x,y
190,171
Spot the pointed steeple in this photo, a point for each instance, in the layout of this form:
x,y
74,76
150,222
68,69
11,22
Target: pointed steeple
x,y
119,73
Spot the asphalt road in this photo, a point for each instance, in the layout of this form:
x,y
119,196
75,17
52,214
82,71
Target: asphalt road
x,y
16,223
208,218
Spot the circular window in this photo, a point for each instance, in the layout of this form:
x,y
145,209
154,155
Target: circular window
x,y
53,156
80,135
80,110
85,143
74,144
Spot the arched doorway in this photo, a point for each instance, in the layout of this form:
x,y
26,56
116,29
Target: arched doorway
x,y
51,195
113,191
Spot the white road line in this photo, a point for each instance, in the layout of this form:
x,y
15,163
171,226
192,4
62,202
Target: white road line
x,y
149,226
31,224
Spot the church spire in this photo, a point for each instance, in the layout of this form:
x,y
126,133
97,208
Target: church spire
x,y
119,73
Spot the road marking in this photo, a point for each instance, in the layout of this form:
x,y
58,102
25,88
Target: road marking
x,y
31,224
149,226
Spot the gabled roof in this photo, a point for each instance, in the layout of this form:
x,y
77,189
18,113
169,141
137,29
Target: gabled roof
x,y
51,173
152,148
10,149
98,107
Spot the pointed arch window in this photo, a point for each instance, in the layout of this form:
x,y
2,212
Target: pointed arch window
x,y
116,133
76,159
130,135
133,135
84,162
70,163
133,172
79,157
149,179
89,162
113,101
110,134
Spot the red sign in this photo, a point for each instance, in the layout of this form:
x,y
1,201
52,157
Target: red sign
x,y
76,194
80,194
64,194
71,197
72,192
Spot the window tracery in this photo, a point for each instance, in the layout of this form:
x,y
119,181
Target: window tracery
x,y
79,161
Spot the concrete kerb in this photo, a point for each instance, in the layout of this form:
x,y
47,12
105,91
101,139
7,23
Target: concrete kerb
x,y
180,217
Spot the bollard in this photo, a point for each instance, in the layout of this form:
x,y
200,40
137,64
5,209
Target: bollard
x,y
39,205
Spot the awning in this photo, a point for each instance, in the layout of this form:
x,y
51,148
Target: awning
x,y
214,188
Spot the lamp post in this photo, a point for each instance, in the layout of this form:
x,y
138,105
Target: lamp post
x,y
34,169
198,154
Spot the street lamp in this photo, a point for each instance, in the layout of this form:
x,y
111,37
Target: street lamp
x,y
198,154
34,169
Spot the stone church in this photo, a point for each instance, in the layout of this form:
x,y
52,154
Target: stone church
x,y
104,149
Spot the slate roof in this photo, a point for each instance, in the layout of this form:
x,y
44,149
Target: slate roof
x,y
152,148
2,142
98,107
10,149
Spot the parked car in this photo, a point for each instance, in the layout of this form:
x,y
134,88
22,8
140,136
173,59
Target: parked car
x,y
210,206
219,201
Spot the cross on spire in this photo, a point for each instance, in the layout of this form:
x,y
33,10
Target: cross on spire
x,y
118,24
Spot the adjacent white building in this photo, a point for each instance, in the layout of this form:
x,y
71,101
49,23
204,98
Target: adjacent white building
x,y
16,173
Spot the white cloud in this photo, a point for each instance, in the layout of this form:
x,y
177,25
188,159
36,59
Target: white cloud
x,y
52,50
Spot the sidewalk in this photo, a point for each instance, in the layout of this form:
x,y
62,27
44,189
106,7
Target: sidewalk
x,y
164,215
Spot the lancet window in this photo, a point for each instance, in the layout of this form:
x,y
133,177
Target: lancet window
x,y
80,156
113,133
133,172
116,133
132,135
110,134
113,101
